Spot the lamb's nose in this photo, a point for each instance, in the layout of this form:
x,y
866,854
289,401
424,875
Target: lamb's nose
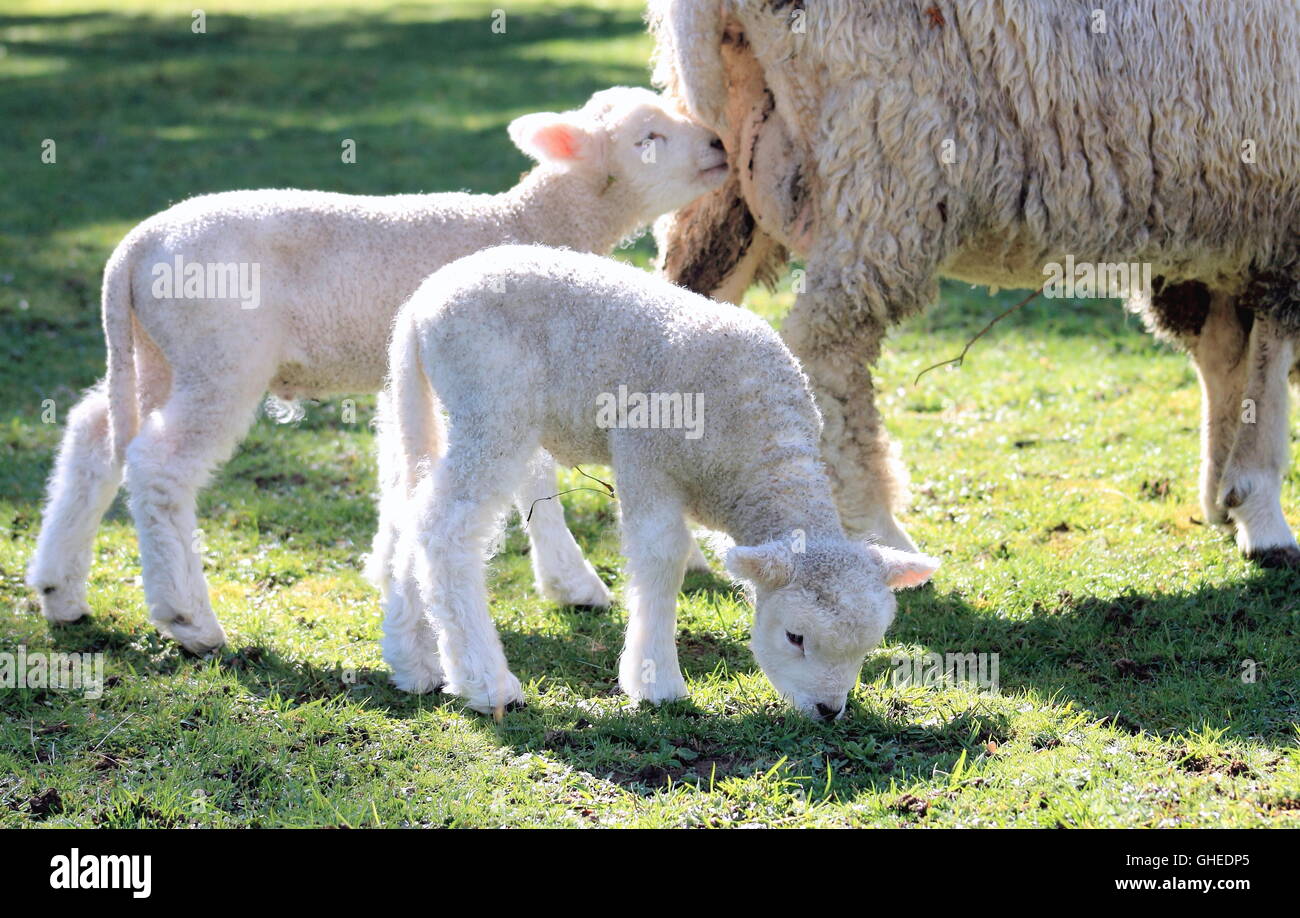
x,y
716,143
826,712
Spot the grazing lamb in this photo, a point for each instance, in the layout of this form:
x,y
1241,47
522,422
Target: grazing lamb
x,y
187,368
525,348
891,142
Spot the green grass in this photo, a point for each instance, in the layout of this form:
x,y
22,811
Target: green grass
x,y
1054,473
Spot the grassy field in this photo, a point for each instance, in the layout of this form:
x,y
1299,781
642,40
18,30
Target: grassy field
x,y
1054,474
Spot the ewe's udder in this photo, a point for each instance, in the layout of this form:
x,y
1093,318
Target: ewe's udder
x,y
772,178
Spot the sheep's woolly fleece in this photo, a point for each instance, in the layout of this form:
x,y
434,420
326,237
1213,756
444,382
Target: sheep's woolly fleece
x,y
1122,145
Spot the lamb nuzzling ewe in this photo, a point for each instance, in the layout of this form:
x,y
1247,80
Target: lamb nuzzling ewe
x,y
892,142
524,348
187,368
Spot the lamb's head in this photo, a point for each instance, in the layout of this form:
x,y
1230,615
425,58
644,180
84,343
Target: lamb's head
x,y
818,611
659,158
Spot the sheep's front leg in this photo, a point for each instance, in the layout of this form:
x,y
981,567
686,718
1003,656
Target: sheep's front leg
x,y
657,544
1219,353
869,480
1252,479
560,571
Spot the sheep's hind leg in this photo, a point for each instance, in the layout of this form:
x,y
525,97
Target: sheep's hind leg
x,y
1252,478
455,520
657,544
560,571
167,463
86,477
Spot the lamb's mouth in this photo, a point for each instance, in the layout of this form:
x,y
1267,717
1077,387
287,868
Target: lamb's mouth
x,y
715,171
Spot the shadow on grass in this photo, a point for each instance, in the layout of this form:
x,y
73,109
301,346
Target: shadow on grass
x,y
1157,663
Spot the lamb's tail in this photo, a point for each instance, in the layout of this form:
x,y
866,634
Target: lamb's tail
x,y
118,317
409,436
415,409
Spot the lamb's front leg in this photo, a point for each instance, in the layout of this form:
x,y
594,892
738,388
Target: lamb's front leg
x,y
560,571
657,544
869,480
1251,489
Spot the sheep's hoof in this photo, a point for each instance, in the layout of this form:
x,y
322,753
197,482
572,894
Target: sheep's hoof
x,y
1217,516
1281,556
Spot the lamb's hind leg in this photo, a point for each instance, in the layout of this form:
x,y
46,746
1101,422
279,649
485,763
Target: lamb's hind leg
x,y
85,478
561,573
1251,486
455,520
167,463
410,643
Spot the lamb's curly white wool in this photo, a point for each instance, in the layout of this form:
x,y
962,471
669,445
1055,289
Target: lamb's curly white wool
x,y
188,363
529,347
891,142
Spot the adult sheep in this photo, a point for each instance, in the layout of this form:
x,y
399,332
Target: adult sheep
x,y
892,142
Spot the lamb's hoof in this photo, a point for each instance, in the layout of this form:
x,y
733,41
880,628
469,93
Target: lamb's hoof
x,y
60,607
199,639
419,681
586,591
201,648
1280,556
418,685
661,690
494,694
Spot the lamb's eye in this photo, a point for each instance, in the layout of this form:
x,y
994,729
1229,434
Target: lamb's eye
x,y
795,639
652,137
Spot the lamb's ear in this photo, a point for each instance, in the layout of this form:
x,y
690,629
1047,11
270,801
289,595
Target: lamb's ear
x,y
770,565
902,569
549,137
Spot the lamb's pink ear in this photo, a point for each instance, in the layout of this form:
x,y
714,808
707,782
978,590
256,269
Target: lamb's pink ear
x,y
902,569
770,565
549,137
